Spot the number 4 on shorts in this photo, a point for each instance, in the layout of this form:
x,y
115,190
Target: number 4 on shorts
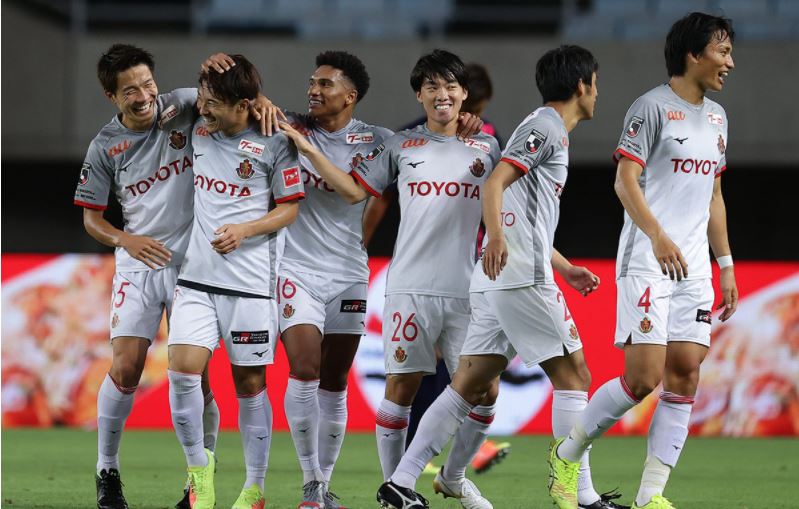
x,y
643,302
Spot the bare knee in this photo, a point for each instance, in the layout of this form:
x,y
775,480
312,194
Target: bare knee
x,y
492,394
249,379
333,382
641,384
305,366
681,379
401,389
126,370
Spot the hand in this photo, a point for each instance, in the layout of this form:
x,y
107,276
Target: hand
x,y
303,145
495,256
229,238
581,279
669,256
267,113
219,62
147,250
729,292
468,125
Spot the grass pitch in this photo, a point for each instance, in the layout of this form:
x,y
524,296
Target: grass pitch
x,y
54,469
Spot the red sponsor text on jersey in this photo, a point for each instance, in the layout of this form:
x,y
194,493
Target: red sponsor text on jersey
x,y
162,174
482,145
221,187
508,218
309,179
696,166
291,176
355,138
201,131
451,189
119,148
414,142
676,115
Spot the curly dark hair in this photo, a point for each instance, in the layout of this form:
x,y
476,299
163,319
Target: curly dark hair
x,y
350,65
119,58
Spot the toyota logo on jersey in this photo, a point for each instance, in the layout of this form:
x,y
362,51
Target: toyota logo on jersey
x,y
534,141
634,127
245,171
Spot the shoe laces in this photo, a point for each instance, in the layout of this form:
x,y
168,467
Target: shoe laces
x,y
313,491
611,495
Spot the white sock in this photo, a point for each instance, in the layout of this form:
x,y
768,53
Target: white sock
x,y
438,424
332,426
567,407
390,430
114,404
256,433
667,434
608,405
186,402
302,412
468,439
210,422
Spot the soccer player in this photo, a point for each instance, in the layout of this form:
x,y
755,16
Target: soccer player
x,y
670,158
516,307
247,188
144,155
440,177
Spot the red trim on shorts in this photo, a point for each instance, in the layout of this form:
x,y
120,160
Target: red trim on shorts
x,y
123,390
93,206
295,196
303,379
670,397
251,395
366,186
485,419
624,153
627,389
517,164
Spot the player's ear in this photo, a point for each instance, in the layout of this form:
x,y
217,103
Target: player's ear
x,y
243,105
419,95
351,97
110,95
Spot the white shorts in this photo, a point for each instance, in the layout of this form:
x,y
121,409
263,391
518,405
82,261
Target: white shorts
x,y
247,325
656,311
138,301
413,325
532,321
334,307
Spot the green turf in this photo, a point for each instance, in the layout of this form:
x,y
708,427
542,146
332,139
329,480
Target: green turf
x,y
54,468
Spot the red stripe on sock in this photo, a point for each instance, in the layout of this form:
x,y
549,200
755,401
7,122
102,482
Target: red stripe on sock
x,y
670,397
391,421
627,390
485,419
123,390
251,395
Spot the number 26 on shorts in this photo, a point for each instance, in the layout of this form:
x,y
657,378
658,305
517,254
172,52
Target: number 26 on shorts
x,y
409,329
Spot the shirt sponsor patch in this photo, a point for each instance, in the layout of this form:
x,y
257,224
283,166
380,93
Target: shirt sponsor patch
x,y
291,176
251,147
481,145
715,119
376,152
353,306
256,337
703,315
85,171
634,127
168,114
534,141
356,138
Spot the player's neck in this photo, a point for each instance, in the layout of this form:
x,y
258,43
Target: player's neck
x,y
448,129
687,89
568,111
237,127
131,124
333,123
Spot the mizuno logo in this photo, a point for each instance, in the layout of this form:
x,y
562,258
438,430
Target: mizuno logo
x,y
261,438
680,140
260,354
124,168
414,165
303,430
334,435
197,156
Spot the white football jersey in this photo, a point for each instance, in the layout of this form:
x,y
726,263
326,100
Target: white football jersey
x,y
150,173
439,179
539,147
681,147
238,179
327,237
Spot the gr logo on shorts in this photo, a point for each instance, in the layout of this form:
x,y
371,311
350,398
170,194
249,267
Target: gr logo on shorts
x,y
258,337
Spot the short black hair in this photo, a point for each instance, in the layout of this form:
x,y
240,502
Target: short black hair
x,y
439,63
350,66
480,87
691,34
242,81
560,71
119,58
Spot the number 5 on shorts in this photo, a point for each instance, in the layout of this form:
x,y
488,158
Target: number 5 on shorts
x,y
406,329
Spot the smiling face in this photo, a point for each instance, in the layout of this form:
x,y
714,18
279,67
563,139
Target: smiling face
x,y
135,97
442,100
329,92
219,115
710,68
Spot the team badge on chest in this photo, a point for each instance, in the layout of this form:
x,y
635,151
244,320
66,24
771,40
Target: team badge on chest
x,y
177,140
245,170
477,168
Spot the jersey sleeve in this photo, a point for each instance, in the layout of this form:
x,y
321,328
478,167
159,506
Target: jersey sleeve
x,y
286,182
495,154
722,146
641,128
178,107
530,144
95,180
378,169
